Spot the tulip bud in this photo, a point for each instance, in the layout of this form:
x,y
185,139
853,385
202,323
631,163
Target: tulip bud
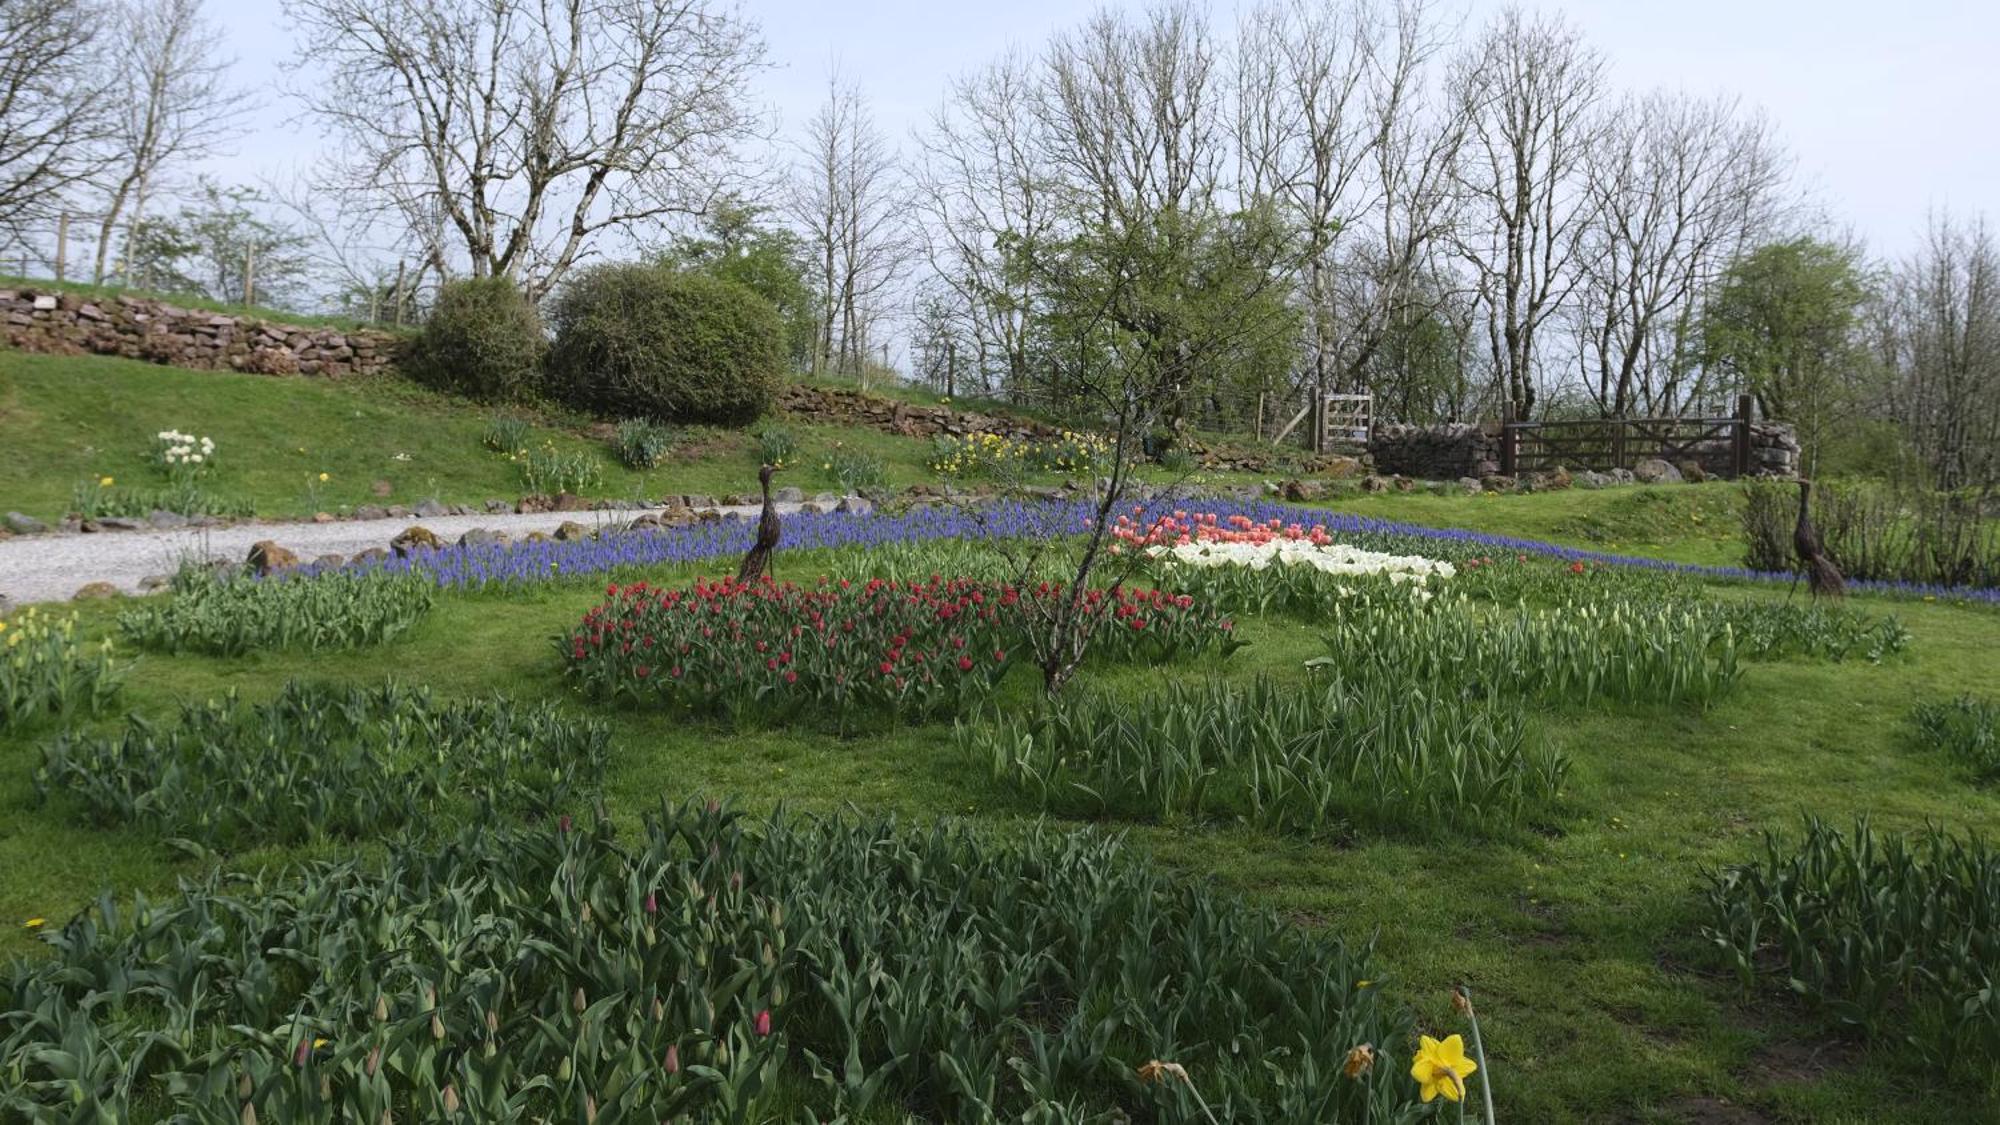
x,y
585,916
589,1109
374,1062
437,1027
563,823
451,1099
764,1023
564,1070
577,1002
430,998
302,1052
721,1054
672,1063
652,903
659,1009
381,1008
245,1087
249,1114
492,1020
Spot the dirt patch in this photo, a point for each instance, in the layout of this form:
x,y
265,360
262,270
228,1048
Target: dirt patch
x,y
1789,1060
1704,1110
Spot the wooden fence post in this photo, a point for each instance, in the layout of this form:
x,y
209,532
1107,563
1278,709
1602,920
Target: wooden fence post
x,y
1508,436
1740,453
249,276
62,243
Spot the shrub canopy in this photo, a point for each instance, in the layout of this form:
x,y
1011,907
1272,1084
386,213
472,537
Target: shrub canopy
x,y
484,340
643,341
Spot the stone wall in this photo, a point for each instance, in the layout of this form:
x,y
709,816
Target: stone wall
x,y
64,323
858,408
1445,452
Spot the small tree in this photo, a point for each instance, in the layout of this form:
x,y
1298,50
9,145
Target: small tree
x,y
643,341
734,244
217,243
483,340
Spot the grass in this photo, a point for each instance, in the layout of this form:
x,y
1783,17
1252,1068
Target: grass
x,y
192,301
1598,1001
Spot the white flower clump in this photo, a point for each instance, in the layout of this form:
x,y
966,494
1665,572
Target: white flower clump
x,y
1332,558
179,449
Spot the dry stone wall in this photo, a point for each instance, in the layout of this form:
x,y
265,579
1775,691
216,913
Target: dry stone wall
x,y
64,323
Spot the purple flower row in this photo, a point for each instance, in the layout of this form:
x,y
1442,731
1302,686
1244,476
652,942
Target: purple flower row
x,y
511,564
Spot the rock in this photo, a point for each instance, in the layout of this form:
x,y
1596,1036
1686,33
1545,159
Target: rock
x,y
23,525
483,537
825,500
371,555
1402,483
329,562
120,523
498,507
570,502
571,531
788,495
1655,471
413,539
398,512
536,537
371,512
855,506
166,521
534,505
1340,467
1471,484
1499,482
1692,472
1302,491
322,517
431,510
1593,480
266,557
1372,483
1622,476
96,590
810,508
698,501
154,582
381,488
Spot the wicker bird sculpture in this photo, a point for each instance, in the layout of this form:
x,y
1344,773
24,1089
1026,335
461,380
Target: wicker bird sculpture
x,y
1822,577
757,563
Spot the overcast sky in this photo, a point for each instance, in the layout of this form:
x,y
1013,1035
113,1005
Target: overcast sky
x,y
1889,109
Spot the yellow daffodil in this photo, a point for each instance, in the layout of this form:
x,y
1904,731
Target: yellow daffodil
x,y
1442,1068
323,478
105,482
35,923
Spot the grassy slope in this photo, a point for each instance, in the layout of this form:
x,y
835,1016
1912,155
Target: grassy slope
x,y
1597,1000
65,419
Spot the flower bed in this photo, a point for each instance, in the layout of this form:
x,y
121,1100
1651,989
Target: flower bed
x,y
919,649
46,673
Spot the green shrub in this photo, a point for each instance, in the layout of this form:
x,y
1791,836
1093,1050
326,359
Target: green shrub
x,y
546,470
1380,752
700,968
641,341
641,444
1895,935
1965,729
507,434
339,609
46,673
1873,531
323,761
1767,630
484,340
854,469
777,447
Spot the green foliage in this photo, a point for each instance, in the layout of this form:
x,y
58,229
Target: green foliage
x,y
1895,935
1070,452
642,444
1874,531
643,341
1765,630
202,249
777,446
1965,729
483,340
548,471
769,260
854,469
93,499
1378,752
336,610
322,761
709,969
46,673
1624,651
507,434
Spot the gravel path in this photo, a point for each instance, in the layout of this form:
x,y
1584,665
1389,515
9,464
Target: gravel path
x,y
46,568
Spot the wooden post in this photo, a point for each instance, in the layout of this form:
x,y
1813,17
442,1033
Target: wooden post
x,y
249,276
1618,444
1746,405
1508,436
1258,426
62,243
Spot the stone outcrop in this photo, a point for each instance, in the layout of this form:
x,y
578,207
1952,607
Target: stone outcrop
x,y
64,323
1445,452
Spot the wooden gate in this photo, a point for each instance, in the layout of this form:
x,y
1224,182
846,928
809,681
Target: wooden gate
x,y
1719,445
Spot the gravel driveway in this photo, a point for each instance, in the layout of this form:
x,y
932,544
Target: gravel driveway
x,y
46,568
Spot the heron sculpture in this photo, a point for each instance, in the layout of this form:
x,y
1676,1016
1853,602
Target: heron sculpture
x,y
1822,577
757,563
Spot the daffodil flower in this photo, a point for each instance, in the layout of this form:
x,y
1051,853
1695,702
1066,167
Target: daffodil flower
x,y
1441,1067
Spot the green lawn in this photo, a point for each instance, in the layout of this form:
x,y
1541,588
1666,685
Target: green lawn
x,y
1598,1000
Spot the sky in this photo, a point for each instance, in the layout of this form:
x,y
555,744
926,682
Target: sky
x,y
1888,109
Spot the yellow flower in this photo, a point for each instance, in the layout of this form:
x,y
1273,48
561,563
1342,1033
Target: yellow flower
x,y
35,923
105,482
323,478
1442,1068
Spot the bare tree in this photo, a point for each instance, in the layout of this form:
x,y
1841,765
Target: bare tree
x,y
1942,344
982,186
848,194
536,128
1528,91
52,122
1677,188
174,105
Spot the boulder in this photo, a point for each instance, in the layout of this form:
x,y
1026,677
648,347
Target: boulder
x,y
267,557
569,502
96,590
1555,479
119,523
810,508
1655,471
1592,480
855,506
153,582
1499,482
371,555
789,495
329,562
1372,483
1302,491
498,507
571,531
431,509
413,539
322,517
1340,467
483,537
1692,472
166,521
1470,485
535,537
371,512
22,524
